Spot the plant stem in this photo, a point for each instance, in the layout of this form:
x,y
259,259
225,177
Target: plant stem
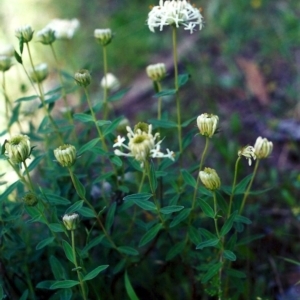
x,y
233,186
28,176
105,103
159,104
77,267
249,187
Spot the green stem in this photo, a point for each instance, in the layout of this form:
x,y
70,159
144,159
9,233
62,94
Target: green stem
x,y
249,186
77,267
159,104
105,104
233,186
28,176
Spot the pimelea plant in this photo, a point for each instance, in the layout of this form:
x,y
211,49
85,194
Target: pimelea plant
x,y
99,215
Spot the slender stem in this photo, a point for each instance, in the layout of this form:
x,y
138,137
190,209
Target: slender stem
x,y
159,104
105,103
233,186
28,176
249,186
77,267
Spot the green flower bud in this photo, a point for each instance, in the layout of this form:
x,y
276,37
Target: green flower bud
x,y
18,149
40,73
65,155
156,72
207,124
103,36
46,36
210,179
71,221
83,77
24,33
263,148
30,199
5,63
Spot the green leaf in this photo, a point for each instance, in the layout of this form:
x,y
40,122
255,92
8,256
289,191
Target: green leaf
x,y
242,219
86,212
18,57
118,95
146,205
24,295
129,289
183,79
162,123
44,243
228,224
110,216
75,207
117,161
175,250
65,284
208,243
180,217
35,162
79,187
292,261
96,241
213,270
68,251
152,177
83,118
188,178
56,227
28,98
242,186
235,273
165,93
91,144
140,196
170,209
9,190
57,268
229,255
103,122
188,122
249,239
56,200
45,284
150,235
207,209
194,235
128,250
95,272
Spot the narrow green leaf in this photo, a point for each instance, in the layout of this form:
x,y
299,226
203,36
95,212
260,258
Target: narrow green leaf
x,y
153,180
150,235
183,79
110,216
45,284
75,207
165,93
83,118
242,219
208,243
228,224
44,243
188,122
180,217
213,270
91,144
207,209
140,196
229,255
129,289
195,235
35,162
9,190
188,178
175,250
86,212
117,161
56,227
65,284
170,209
56,200
128,250
162,123
57,268
68,251
95,272
96,241
18,57
118,95
28,98
146,205
241,186
103,122
249,239
79,187
24,295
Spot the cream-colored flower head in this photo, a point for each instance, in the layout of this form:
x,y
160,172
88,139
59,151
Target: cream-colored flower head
x,y
210,179
7,50
248,152
103,36
24,33
46,36
176,13
40,73
65,155
207,124
110,82
71,221
263,148
5,63
83,77
156,72
64,29
142,144
18,149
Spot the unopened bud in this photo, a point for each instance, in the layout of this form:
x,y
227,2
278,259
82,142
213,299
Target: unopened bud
x,y
156,72
103,36
71,221
24,33
263,148
65,155
210,179
30,199
83,77
39,73
18,149
207,124
46,36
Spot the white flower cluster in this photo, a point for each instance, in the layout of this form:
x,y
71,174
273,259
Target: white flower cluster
x,y
141,145
64,29
175,12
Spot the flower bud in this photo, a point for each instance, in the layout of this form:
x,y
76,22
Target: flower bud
x,y
24,33
18,149
110,82
39,73
156,72
263,148
65,155
71,221
83,77
207,124
5,63
30,199
248,152
103,36
46,36
210,179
